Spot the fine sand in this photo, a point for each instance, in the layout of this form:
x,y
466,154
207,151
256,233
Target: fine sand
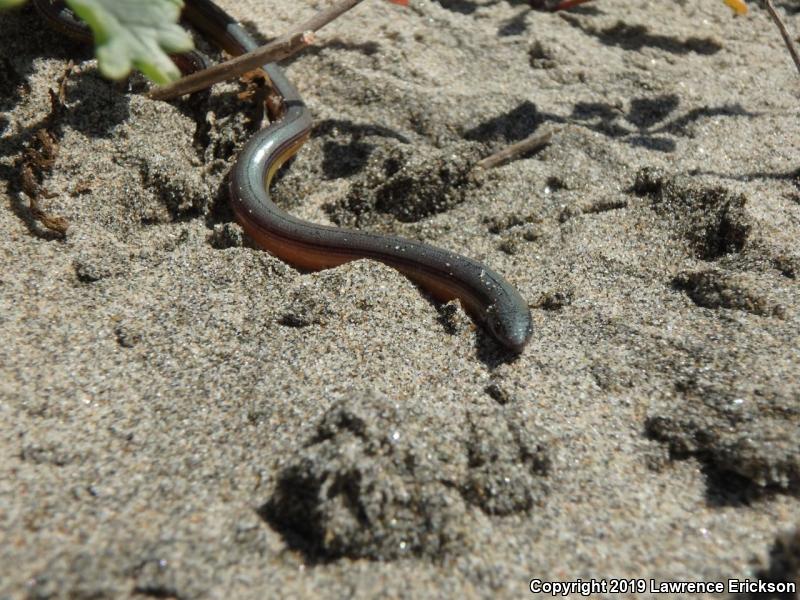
x,y
184,415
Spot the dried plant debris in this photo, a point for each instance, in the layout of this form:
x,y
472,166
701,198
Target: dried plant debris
x,y
375,482
711,219
39,157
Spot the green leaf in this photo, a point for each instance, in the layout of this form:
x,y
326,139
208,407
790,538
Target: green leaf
x,y
135,33
10,3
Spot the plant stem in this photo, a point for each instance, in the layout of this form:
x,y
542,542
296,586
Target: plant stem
x,y
516,150
289,43
784,32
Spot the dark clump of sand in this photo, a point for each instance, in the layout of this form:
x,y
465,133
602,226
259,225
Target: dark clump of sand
x,y
184,415
376,481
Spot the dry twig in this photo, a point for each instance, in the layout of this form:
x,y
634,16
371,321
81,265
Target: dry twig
x,y
529,144
784,32
291,42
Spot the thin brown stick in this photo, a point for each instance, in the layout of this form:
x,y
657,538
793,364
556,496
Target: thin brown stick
x,y
292,41
529,144
784,32
277,50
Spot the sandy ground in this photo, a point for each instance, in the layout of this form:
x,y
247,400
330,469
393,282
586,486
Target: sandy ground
x,y
185,416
